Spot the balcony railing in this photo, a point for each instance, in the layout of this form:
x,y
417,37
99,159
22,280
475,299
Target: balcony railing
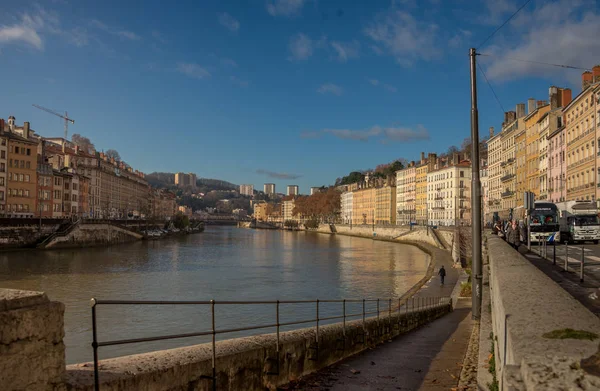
x,y
507,177
507,194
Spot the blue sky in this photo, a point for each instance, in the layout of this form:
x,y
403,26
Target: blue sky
x,y
285,91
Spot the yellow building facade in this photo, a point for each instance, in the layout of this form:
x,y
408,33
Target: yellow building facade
x,y
533,148
579,121
363,206
385,205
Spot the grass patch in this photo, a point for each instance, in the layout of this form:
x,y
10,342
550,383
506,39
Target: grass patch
x,y
465,289
570,334
493,386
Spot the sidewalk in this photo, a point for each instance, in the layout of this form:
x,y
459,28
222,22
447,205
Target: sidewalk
x,y
429,358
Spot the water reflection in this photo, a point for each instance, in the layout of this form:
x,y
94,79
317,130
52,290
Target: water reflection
x,y
222,263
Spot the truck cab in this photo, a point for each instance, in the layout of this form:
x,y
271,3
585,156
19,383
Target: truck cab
x,y
579,222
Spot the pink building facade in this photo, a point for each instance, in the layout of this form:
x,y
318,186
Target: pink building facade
x,y
557,167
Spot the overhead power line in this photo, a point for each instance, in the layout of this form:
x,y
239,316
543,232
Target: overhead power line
x,y
491,88
536,62
504,24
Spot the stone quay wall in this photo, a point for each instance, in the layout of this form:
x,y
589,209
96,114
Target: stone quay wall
x,y
525,305
32,353
93,235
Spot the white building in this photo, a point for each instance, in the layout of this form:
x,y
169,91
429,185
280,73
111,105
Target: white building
x,y
269,188
449,195
314,190
3,168
485,195
247,190
346,200
401,192
288,210
292,190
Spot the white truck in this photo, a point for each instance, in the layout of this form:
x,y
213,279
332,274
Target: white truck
x,y
579,221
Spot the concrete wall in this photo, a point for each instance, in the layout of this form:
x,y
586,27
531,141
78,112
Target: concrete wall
x,y
400,233
525,304
94,234
32,353
24,235
248,363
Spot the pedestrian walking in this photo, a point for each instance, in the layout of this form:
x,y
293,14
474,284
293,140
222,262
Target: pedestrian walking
x,y
513,235
442,274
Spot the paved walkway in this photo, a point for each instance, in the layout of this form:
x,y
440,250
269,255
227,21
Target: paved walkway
x,y
429,358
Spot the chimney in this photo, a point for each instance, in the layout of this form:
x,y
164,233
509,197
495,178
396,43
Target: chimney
x,y
520,110
554,97
587,78
530,105
422,157
596,73
2,124
455,158
491,131
26,127
565,97
511,116
541,103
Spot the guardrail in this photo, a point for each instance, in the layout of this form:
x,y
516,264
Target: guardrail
x,y
414,304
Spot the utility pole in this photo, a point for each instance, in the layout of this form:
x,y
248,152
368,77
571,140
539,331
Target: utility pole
x,y
475,192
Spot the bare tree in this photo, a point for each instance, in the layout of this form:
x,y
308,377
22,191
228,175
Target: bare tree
x,y
112,153
82,142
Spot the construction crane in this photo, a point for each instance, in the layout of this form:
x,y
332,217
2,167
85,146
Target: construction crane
x,y
64,117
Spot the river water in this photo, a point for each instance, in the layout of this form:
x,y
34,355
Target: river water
x,y
223,263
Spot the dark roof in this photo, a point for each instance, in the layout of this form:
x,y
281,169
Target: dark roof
x,y
16,137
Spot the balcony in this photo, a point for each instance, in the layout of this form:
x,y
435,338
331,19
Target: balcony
x,y
507,177
438,198
438,208
507,194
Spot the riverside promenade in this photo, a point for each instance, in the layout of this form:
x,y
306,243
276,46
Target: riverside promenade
x,y
428,358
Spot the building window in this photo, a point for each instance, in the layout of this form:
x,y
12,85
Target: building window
x,y
20,177
27,164
26,193
28,151
26,177
22,163
16,149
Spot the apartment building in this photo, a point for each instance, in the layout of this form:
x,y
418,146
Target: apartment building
x,y
557,167
406,187
508,165
548,124
293,190
449,194
494,172
535,111
269,188
483,178
580,123
185,180
3,167
164,205
597,111
247,190
424,166
57,193
363,206
346,199
22,173
260,211
521,170
287,208
45,179
385,205
314,190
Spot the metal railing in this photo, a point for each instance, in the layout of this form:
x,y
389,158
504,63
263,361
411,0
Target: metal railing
x,y
412,303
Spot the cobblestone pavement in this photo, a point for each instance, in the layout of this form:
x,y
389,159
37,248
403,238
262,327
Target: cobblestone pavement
x,y
429,358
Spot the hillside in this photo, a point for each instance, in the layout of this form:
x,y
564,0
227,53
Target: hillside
x,y
167,179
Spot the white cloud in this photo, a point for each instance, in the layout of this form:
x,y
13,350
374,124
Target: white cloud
x,y
284,7
390,88
229,62
403,37
130,35
32,27
21,34
385,86
159,36
238,82
497,11
229,22
301,47
192,70
346,50
330,88
384,134
563,32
